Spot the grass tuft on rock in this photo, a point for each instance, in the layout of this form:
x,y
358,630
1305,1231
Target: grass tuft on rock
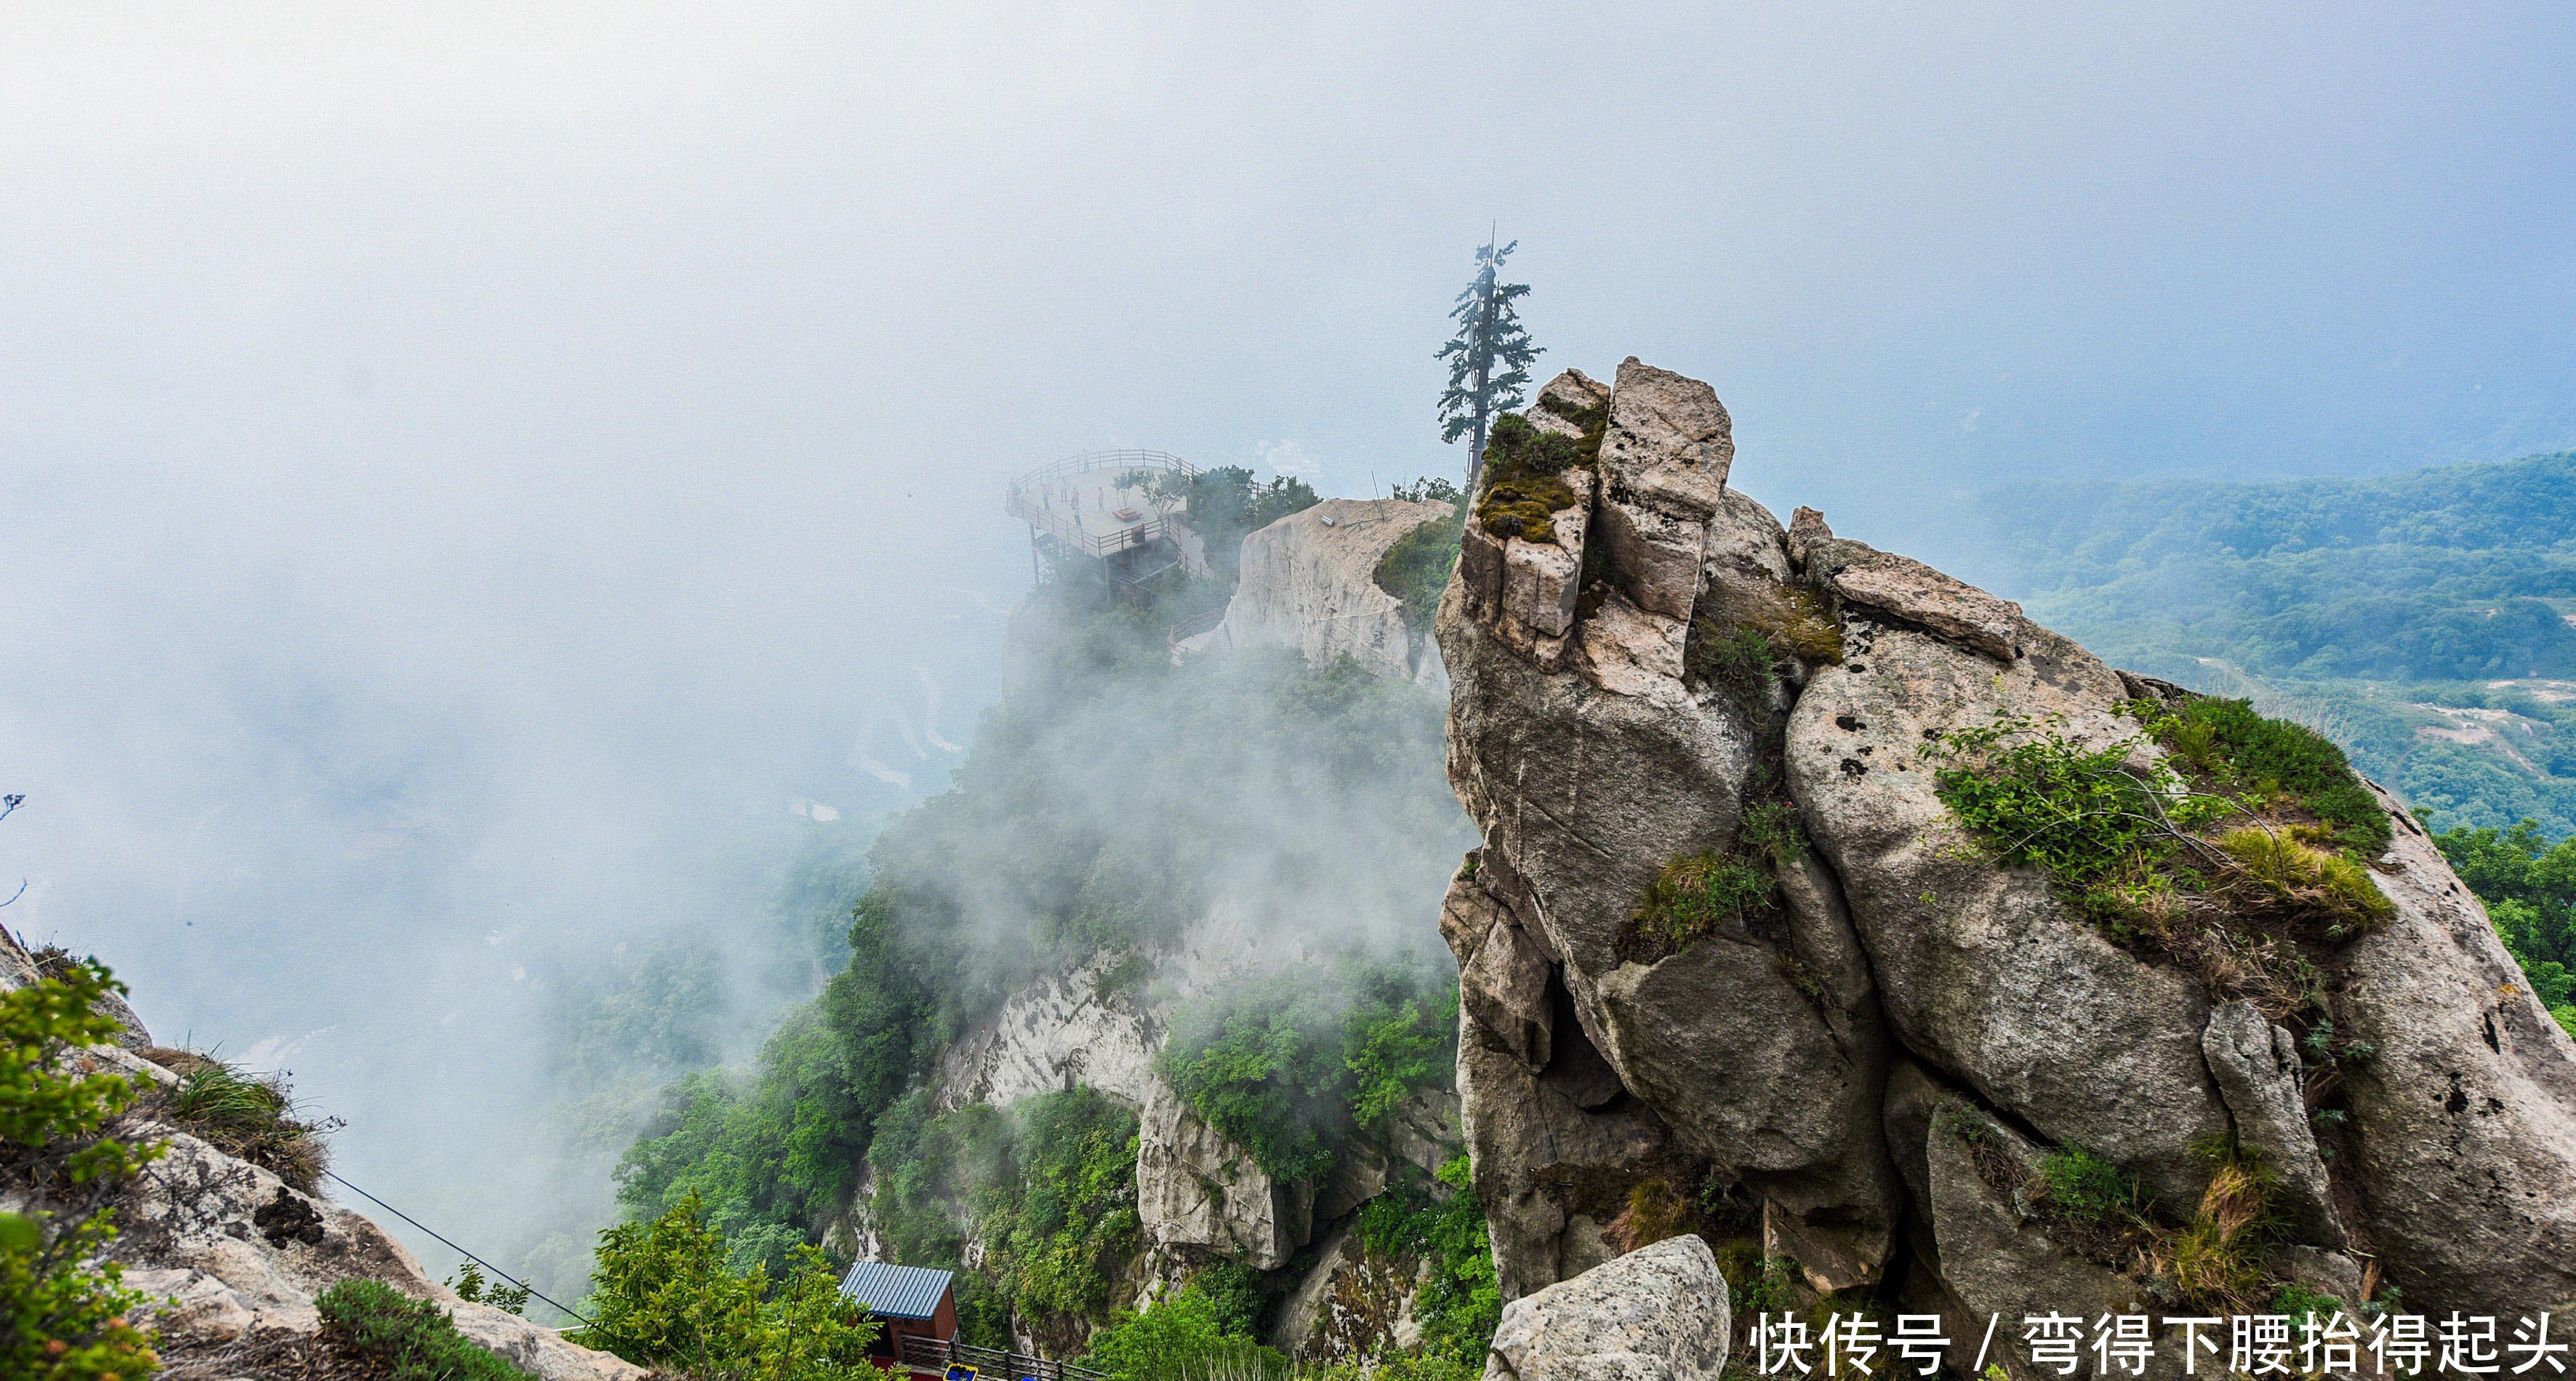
x,y
1705,892
248,1116
2308,879
2220,1256
2082,1186
1729,889
2223,1258
2273,762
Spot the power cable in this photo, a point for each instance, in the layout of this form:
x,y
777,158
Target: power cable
x,y
486,1265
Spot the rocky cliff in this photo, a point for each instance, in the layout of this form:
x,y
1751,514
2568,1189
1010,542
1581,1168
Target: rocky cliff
x,y
1308,582
232,1256
1201,1199
1734,960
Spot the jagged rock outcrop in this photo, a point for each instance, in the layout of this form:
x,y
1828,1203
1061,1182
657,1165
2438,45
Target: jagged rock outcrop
x,y
1589,780
20,966
1196,1189
1661,1311
1078,1027
231,1256
240,1254
1863,1067
1308,581
1352,1305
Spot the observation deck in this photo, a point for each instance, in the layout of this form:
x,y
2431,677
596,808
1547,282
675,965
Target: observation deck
x,y
1096,506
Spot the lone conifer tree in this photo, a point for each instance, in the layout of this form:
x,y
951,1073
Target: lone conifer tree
x,y
1489,358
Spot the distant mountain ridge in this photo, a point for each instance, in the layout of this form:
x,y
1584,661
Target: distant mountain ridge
x,y
2427,620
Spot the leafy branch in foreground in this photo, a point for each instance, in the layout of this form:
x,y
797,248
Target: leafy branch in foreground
x,y
65,1314
664,1296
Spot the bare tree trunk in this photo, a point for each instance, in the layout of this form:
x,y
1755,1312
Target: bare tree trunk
x,y
1484,372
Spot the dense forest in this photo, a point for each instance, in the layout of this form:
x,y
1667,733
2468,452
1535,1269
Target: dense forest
x,y
1114,798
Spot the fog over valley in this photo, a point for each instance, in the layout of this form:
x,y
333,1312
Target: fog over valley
x,y
501,507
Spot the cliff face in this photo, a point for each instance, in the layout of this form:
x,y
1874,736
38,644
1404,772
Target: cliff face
x,y
230,1256
1869,1065
1308,582
1201,1198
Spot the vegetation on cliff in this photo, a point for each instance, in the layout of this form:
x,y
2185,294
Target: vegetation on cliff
x,y
382,1332
2236,853
244,1114
2420,620
1291,1065
1416,569
774,1149
1524,478
1461,1301
1047,1187
65,1313
1110,801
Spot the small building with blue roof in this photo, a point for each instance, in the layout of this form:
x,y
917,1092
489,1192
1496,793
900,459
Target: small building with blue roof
x,y
913,1302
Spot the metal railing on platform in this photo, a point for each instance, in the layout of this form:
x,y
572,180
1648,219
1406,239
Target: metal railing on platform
x,y
1204,621
1024,504
991,1364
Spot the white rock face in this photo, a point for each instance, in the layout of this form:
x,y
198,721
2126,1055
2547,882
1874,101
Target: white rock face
x,y
1309,582
231,1256
18,969
1661,1311
239,1256
1059,1032
1196,1188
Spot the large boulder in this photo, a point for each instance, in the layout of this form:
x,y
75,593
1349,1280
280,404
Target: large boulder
x,y
2463,1142
1981,971
1661,1311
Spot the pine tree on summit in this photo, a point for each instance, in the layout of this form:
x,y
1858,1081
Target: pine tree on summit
x,y
1489,358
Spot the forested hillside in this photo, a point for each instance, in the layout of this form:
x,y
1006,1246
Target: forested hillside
x,y
1116,809
2422,619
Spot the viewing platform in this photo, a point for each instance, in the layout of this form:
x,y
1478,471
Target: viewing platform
x,y
1094,506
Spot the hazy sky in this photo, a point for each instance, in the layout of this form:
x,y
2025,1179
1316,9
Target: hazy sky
x,y
465,467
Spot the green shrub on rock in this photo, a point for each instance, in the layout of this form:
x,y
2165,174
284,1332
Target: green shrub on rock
x,y
2275,762
65,1314
390,1335
1416,569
